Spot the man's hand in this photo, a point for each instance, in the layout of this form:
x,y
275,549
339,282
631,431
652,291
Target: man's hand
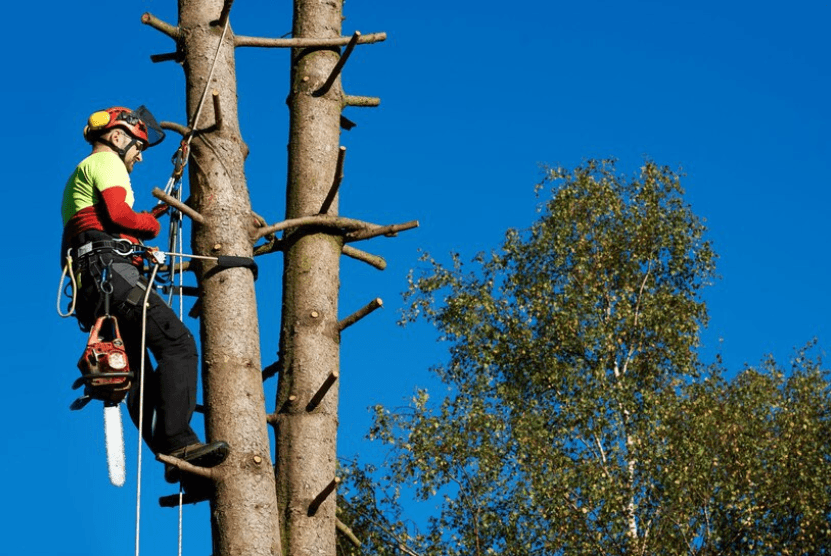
x,y
159,210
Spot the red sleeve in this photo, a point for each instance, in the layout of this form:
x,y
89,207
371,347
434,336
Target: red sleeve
x,y
139,224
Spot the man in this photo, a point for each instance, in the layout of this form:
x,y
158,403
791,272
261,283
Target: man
x,y
102,233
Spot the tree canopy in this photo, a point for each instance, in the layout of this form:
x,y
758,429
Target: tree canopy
x,y
579,418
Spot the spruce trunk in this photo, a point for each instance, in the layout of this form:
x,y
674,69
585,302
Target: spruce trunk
x,y
309,337
244,509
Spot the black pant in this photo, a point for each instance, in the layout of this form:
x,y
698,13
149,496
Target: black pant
x,y
170,388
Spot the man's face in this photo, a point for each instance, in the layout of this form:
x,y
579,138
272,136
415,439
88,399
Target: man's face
x,y
134,154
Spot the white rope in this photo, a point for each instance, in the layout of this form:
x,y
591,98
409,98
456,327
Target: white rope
x,y
141,399
67,269
207,84
181,491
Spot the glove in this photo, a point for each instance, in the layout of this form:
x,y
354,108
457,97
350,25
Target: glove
x,y
159,210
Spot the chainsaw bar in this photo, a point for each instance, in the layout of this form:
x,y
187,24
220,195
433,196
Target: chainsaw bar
x,y
114,438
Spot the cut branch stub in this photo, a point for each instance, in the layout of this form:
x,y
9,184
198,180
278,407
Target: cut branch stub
x,y
388,231
288,403
223,16
330,198
360,313
217,111
320,498
363,256
207,473
171,31
354,229
178,205
303,42
272,370
350,46
366,102
177,56
182,130
321,392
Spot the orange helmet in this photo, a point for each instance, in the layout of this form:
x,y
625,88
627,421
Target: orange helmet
x,y
140,124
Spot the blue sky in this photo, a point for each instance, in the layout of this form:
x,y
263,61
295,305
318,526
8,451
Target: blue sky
x,y
475,95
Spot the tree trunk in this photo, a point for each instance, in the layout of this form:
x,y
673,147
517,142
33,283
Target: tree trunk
x,y
244,509
310,338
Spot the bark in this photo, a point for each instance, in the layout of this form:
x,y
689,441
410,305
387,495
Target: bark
x,y
244,509
309,337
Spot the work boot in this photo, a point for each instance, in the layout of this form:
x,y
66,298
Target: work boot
x,y
198,454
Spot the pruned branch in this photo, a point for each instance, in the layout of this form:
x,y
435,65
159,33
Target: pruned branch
x,y
322,391
330,198
389,231
217,111
223,16
320,498
171,31
272,370
208,473
360,313
363,256
274,245
264,42
333,75
182,130
176,56
351,100
356,229
178,205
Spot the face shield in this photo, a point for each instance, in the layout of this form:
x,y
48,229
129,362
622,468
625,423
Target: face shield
x,y
155,135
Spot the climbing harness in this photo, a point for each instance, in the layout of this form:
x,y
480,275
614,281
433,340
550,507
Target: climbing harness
x,y
78,260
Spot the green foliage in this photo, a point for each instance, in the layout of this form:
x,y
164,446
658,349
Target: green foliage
x,y
578,419
758,452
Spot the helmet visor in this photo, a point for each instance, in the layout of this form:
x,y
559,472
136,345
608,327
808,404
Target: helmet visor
x,y
155,135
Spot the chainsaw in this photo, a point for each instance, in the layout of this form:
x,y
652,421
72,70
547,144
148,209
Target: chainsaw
x,y
105,373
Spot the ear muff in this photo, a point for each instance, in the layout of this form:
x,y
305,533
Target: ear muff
x,y
98,120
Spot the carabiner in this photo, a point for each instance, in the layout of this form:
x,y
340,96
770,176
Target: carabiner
x,y
180,159
128,248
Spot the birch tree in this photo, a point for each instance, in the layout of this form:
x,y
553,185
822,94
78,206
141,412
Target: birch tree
x,y
566,350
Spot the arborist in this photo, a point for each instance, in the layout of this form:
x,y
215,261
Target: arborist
x,y
102,233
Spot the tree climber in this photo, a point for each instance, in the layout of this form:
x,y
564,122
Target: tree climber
x,y
102,233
